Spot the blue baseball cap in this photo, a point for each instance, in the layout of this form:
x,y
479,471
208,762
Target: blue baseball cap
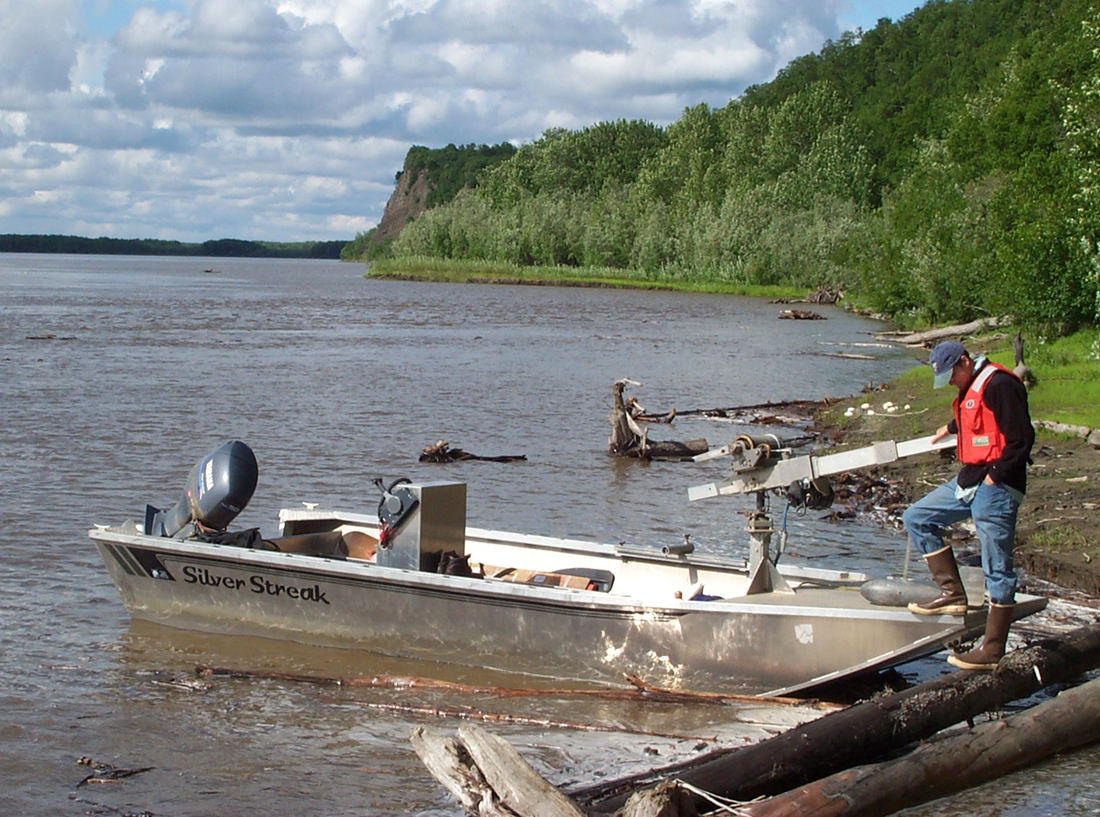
x,y
943,360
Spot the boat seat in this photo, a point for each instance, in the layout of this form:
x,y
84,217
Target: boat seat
x,y
330,544
602,579
573,579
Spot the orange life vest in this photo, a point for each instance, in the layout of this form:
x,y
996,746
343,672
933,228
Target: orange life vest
x,y
980,441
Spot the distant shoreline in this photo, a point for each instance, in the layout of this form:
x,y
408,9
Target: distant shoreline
x,y
218,248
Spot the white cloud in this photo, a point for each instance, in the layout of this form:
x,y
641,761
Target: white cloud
x,y
37,48
287,119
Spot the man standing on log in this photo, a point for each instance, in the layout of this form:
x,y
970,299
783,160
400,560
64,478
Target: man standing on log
x,y
995,437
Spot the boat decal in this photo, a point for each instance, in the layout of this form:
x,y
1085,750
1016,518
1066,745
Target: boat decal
x,y
140,561
125,561
150,560
254,584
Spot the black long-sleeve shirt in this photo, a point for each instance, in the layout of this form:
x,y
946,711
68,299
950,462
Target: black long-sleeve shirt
x,y
1006,397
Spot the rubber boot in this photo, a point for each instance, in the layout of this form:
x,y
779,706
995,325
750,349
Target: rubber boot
x,y
952,598
992,650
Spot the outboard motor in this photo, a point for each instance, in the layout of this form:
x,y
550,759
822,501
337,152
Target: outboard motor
x,y
218,488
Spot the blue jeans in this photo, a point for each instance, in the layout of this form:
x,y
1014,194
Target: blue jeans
x,y
993,510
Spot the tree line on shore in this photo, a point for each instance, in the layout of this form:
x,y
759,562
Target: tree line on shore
x,y
217,248
937,169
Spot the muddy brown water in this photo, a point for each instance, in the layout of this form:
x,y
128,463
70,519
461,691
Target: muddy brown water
x,y
117,374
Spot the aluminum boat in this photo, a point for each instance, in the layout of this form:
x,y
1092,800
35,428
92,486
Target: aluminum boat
x,y
412,580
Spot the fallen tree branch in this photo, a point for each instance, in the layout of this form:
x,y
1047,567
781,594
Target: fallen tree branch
x,y
804,408
523,720
106,773
661,695
821,295
638,690
1062,428
823,747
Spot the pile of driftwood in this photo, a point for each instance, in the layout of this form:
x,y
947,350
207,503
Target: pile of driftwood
x,y
630,431
835,765
868,495
800,315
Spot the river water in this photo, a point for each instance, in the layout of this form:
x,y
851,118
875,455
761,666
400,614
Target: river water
x,y
117,374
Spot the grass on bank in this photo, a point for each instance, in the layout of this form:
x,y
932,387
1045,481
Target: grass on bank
x,y
1066,389
1058,538
490,272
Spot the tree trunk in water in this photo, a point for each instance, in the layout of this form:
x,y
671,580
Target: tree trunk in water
x,y
629,439
626,435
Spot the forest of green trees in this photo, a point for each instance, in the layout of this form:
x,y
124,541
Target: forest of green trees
x,y
937,169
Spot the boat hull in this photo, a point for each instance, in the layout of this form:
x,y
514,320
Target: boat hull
x,y
768,644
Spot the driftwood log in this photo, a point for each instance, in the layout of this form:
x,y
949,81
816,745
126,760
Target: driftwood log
x,y
630,439
106,773
441,451
946,332
825,295
871,730
949,765
488,776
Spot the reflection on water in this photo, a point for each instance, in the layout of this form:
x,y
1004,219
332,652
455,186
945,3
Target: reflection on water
x,y
117,374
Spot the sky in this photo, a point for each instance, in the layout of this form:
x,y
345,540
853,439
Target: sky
x,y
287,120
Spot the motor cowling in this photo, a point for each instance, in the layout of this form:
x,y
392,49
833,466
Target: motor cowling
x,y
219,487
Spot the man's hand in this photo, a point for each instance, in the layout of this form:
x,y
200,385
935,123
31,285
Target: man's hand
x,y
941,432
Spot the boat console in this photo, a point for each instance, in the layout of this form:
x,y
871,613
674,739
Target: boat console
x,y
419,523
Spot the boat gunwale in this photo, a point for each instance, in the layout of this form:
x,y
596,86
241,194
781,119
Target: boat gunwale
x,y
480,587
